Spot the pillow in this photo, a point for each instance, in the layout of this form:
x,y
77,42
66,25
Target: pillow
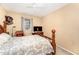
x,y
4,38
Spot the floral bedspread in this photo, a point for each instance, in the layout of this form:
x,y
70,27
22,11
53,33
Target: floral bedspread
x,y
27,45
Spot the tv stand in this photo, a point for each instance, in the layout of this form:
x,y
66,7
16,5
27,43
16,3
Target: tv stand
x,y
38,33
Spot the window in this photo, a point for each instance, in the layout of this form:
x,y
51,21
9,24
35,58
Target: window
x,y
26,23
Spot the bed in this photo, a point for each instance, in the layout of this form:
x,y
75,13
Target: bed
x,y
26,45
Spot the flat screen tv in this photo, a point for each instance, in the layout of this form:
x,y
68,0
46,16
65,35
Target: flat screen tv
x,y
37,28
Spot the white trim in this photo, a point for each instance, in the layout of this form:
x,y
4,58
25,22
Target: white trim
x,y
66,50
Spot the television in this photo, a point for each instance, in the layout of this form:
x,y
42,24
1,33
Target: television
x,y
37,28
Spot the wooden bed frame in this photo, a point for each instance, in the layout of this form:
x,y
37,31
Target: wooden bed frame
x,y
3,28
53,43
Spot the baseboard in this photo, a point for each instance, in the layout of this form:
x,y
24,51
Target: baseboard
x,y
66,49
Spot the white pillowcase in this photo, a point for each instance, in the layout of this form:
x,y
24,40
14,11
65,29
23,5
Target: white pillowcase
x,y
4,38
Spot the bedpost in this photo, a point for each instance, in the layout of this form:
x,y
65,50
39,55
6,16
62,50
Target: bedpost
x,y
53,41
4,26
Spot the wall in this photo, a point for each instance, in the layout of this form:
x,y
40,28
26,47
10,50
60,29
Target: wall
x,y
2,15
17,21
66,23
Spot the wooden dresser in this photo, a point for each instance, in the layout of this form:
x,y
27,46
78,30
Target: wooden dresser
x,y
38,33
19,33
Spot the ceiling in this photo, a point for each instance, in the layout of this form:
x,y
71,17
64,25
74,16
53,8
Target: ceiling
x,y
35,9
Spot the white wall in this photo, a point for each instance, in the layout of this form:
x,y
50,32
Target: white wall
x,y
66,23
2,15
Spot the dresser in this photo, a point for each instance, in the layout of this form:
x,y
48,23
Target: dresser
x,y
38,33
19,33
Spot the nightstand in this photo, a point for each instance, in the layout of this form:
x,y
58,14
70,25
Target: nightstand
x,y
38,33
19,33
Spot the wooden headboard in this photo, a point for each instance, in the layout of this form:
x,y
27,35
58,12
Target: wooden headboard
x,y
3,28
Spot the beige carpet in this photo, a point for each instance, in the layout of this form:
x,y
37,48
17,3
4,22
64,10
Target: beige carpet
x,y
61,52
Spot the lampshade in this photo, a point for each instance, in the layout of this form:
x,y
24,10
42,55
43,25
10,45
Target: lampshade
x,y
9,20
